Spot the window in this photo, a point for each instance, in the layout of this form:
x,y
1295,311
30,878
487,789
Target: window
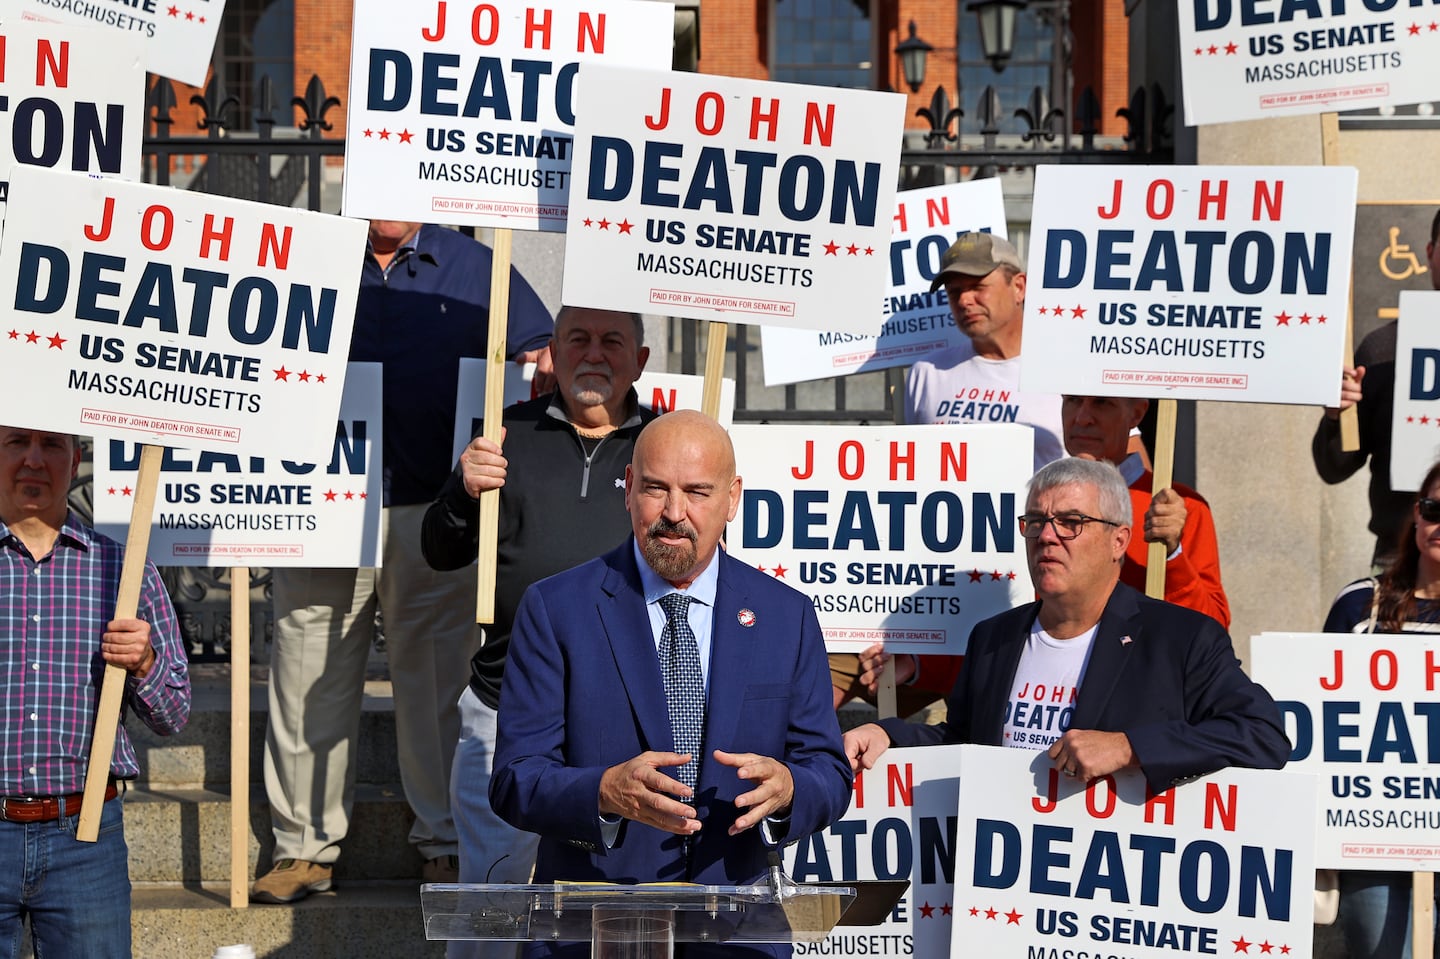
x,y
1027,68
823,42
257,39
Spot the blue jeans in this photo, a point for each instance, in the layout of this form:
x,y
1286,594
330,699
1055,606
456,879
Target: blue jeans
x,y
75,894
1375,914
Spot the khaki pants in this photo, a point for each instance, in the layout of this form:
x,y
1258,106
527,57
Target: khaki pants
x,y
324,627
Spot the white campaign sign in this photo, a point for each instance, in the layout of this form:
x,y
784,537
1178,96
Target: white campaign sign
x,y
176,318
75,100
174,38
1204,283
216,509
470,397
1249,60
465,113
1048,866
1415,417
900,825
900,534
1361,713
667,392
718,198
912,322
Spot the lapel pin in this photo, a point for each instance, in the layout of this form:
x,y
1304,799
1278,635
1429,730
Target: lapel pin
x,y
746,618
1125,640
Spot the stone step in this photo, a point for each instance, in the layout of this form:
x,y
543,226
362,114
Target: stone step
x,y
356,920
199,755
183,835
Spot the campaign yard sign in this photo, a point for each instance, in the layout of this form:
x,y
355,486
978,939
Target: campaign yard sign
x,y
1361,713
1201,283
734,200
1253,59
465,113
71,98
912,322
905,535
175,38
901,824
1415,416
220,509
1049,867
174,318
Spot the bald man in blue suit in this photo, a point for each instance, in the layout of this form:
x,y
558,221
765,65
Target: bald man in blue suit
x,y
586,753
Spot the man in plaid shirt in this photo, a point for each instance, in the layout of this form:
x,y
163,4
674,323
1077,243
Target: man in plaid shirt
x,y
58,585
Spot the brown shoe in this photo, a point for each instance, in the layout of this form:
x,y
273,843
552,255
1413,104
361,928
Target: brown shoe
x,y
291,879
441,869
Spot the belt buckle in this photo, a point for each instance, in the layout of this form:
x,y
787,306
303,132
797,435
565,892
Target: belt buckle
x,y
4,813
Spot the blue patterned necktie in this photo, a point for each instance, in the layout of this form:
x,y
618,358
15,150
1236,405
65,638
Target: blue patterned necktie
x,y
684,684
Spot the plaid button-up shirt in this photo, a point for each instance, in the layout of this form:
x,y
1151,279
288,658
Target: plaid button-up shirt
x,y
52,615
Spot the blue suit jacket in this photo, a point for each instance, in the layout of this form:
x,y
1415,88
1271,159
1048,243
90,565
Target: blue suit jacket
x,y
1164,675
583,692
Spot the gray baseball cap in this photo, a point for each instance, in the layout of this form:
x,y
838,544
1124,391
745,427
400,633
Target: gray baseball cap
x,y
976,254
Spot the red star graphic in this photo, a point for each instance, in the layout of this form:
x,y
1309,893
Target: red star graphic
x,y
587,221
1199,51
110,491
1078,312
760,568
996,576
1012,918
991,913
1409,419
364,495
625,226
927,911
189,15
779,572
174,11
1320,319
384,134
282,374
1010,575
975,575
57,342
1424,420
604,224
14,334
1304,319
945,910
1284,950
202,19
304,376
852,249
1266,946
1434,26
406,136
1240,944
831,248
329,496
1414,29
32,337
1212,49
1282,318
126,491
869,251
319,377
974,911
1043,311
349,495
1057,311
1230,49
369,134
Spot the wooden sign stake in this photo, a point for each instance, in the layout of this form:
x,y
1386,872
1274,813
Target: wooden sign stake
x,y
1164,473
494,411
239,737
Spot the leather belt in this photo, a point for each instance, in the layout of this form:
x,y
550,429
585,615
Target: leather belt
x,y
45,808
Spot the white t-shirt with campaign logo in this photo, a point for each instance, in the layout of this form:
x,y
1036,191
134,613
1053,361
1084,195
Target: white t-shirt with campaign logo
x,y
956,386
1047,682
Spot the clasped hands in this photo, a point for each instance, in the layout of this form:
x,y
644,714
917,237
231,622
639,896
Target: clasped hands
x,y
638,790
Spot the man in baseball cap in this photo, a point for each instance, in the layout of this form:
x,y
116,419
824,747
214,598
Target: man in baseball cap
x,y
978,254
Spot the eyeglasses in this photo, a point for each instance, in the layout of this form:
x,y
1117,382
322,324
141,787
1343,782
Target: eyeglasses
x,y
1429,509
1067,525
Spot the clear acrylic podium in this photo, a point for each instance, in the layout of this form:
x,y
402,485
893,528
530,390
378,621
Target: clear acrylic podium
x,y
656,914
